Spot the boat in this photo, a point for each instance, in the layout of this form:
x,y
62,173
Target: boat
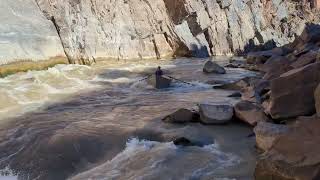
x,y
160,82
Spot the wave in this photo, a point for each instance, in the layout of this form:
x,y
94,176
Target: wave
x,y
143,159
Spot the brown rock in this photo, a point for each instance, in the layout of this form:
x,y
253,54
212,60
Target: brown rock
x,y
305,59
249,112
292,94
276,66
317,100
294,155
267,133
181,116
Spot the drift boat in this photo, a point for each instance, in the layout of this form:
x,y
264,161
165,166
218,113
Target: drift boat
x,y
160,82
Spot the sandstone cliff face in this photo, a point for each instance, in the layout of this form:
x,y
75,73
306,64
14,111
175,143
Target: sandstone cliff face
x,y
25,33
143,29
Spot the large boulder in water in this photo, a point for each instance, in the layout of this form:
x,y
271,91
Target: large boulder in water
x,y
317,99
294,155
267,133
182,115
292,94
249,112
215,113
212,67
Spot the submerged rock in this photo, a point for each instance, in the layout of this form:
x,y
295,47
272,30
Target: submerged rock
x,y
182,116
182,141
212,67
215,113
249,113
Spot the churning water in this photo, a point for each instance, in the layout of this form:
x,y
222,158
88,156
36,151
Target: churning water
x,y
101,122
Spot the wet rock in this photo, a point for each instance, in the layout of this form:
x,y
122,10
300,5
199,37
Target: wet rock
x,y
215,113
235,95
267,133
182,116
238,85
212,67
294,155
182,141
249,113
317,100
292,94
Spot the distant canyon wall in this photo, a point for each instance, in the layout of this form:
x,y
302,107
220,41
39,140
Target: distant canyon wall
x,y
83,31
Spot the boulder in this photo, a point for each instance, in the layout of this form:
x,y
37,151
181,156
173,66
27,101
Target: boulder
x,y
181,116
305,59
276,66
267,133
215,113
212,67
249,113
294,155
261,57
292,94
317,100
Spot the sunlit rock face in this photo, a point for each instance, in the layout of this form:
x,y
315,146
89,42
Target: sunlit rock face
x,y
26,34
149,29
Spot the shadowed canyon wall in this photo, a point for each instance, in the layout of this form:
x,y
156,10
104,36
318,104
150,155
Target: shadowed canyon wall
x,y
84,31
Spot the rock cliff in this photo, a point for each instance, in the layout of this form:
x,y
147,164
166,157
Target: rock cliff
x,y
89,30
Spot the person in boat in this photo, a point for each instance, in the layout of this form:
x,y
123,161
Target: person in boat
x,y
159,72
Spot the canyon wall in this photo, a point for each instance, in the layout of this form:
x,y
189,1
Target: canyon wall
x,y
90,30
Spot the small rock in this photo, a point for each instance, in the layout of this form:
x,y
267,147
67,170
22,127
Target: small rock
x,y
212,67
249,112
215,113
181,116
235,95
182,141
267,133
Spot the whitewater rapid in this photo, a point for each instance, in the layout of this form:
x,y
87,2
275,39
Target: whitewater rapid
x,y
102,122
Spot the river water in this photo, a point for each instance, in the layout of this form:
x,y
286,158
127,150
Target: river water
x,y
101,122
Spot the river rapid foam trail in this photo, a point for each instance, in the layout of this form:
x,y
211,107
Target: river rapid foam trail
x,y
101,122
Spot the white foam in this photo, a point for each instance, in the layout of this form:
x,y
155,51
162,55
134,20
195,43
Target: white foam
x,y
154,159
28,91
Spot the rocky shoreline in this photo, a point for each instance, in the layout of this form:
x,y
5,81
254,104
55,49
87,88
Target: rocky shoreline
x,y
282,106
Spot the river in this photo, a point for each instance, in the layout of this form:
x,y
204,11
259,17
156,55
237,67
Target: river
x,y
101,122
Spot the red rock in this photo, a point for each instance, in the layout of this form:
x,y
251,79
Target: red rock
x,y
292,94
